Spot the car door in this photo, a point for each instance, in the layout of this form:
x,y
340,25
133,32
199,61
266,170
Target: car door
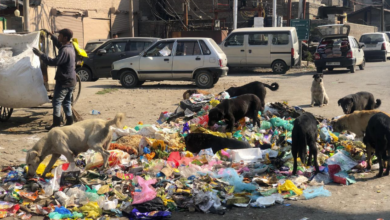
x,y
258,50
281,46
234,48
359,51
156,62
106,55
187,58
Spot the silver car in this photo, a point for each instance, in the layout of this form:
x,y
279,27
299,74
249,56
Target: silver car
x,y
184,59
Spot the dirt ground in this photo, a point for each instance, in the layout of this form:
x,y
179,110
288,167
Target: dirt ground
x,y
367,199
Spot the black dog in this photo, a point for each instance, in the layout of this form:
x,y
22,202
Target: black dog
x,y
256,88
235,109
195,142
378,136
304,133
359,101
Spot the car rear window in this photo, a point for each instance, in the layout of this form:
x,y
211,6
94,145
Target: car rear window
x,y
371,38
215,45
334,47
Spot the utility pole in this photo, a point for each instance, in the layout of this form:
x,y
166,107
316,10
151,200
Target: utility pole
x,y
235,5
186,15
289,12
26,5
383,16
274,17
131,17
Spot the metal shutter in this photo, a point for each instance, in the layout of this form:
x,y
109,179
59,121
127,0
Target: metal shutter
x,y
96,29
120,25
73,23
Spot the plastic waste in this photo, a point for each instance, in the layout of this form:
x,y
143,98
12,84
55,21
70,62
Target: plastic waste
x,y
94,112
116,157
268,200
62,198
342,160
313,192
91,210
278,122
148,192
231,176
246,155
289,185
320,179
324,135
108,205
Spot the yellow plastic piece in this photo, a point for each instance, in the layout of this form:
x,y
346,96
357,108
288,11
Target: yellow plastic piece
x,y
91,210
42,166
80,51
214,102
334,137
289,185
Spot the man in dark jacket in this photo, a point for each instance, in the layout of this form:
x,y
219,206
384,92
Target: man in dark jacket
x,y
65,75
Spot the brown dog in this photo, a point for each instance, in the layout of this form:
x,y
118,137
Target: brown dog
x,y
357,123
187,94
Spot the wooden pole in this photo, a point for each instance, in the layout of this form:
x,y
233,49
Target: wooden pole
x,y
131,17
186,15
289,12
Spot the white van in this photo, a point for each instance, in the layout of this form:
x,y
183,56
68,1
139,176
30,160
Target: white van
x,y
275,47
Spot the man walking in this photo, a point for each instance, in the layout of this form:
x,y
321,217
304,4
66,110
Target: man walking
x,y
65,75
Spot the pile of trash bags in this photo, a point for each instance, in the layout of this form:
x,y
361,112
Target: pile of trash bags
x,y
151,174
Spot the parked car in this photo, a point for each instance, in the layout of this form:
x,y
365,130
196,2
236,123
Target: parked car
x,y
185,59
99,61
93,44
276,47
376,46
337,49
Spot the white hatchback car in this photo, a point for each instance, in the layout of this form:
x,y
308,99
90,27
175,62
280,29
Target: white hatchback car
x,y
377,45
185,59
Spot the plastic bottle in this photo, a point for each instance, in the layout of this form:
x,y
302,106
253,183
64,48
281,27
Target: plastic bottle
x,y
94,112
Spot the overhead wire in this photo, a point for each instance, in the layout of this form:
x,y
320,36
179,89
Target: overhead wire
x,y
201,10
176,14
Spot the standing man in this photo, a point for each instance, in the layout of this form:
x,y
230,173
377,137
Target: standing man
x,y
65,75
114,36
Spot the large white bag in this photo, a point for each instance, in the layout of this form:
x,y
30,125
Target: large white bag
x,y
21,79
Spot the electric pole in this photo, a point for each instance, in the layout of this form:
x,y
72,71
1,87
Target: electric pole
x,y
235,5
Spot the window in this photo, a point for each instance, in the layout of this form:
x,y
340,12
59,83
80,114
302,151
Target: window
x,y
205,48
115,47
280,39
92,46
371,38
357,44
235,40
258,39
136,46
353,43
160,49
188,48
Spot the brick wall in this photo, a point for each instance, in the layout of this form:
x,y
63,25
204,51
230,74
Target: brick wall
x,y
358,29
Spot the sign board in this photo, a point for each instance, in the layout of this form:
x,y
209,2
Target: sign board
x,y
303,28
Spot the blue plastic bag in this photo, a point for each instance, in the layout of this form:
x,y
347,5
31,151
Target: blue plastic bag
x,y
313,192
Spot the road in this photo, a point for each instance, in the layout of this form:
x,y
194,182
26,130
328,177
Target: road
x,y
367,199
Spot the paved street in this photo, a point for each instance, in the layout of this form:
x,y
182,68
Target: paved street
x,y
367,199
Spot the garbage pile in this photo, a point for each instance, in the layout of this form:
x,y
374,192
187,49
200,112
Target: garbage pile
x,y
151,174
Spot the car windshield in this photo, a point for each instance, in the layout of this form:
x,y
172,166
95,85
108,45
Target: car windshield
x,y
371,38
92,46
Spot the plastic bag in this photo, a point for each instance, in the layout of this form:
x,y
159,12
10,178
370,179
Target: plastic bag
x,y
320,179
108,205
42,166
278,122
289,185
313,192
91,210
247,155
324,135
116,157
118,133
230,175
21,77
148,131
342,160
148,192
268,200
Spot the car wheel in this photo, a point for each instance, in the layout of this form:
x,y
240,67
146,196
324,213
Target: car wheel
x,y
361,67
216,79
279,67
330,69
204,79
352,69
319,69
84,74
129,79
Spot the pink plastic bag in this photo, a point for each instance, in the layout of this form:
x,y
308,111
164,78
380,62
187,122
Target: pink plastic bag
x,y
174,157
148,193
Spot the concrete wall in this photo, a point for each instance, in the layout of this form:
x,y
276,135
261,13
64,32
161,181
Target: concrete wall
x,y
357,30
370,17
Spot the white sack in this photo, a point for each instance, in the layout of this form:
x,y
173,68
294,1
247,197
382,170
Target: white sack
x,y
21,79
